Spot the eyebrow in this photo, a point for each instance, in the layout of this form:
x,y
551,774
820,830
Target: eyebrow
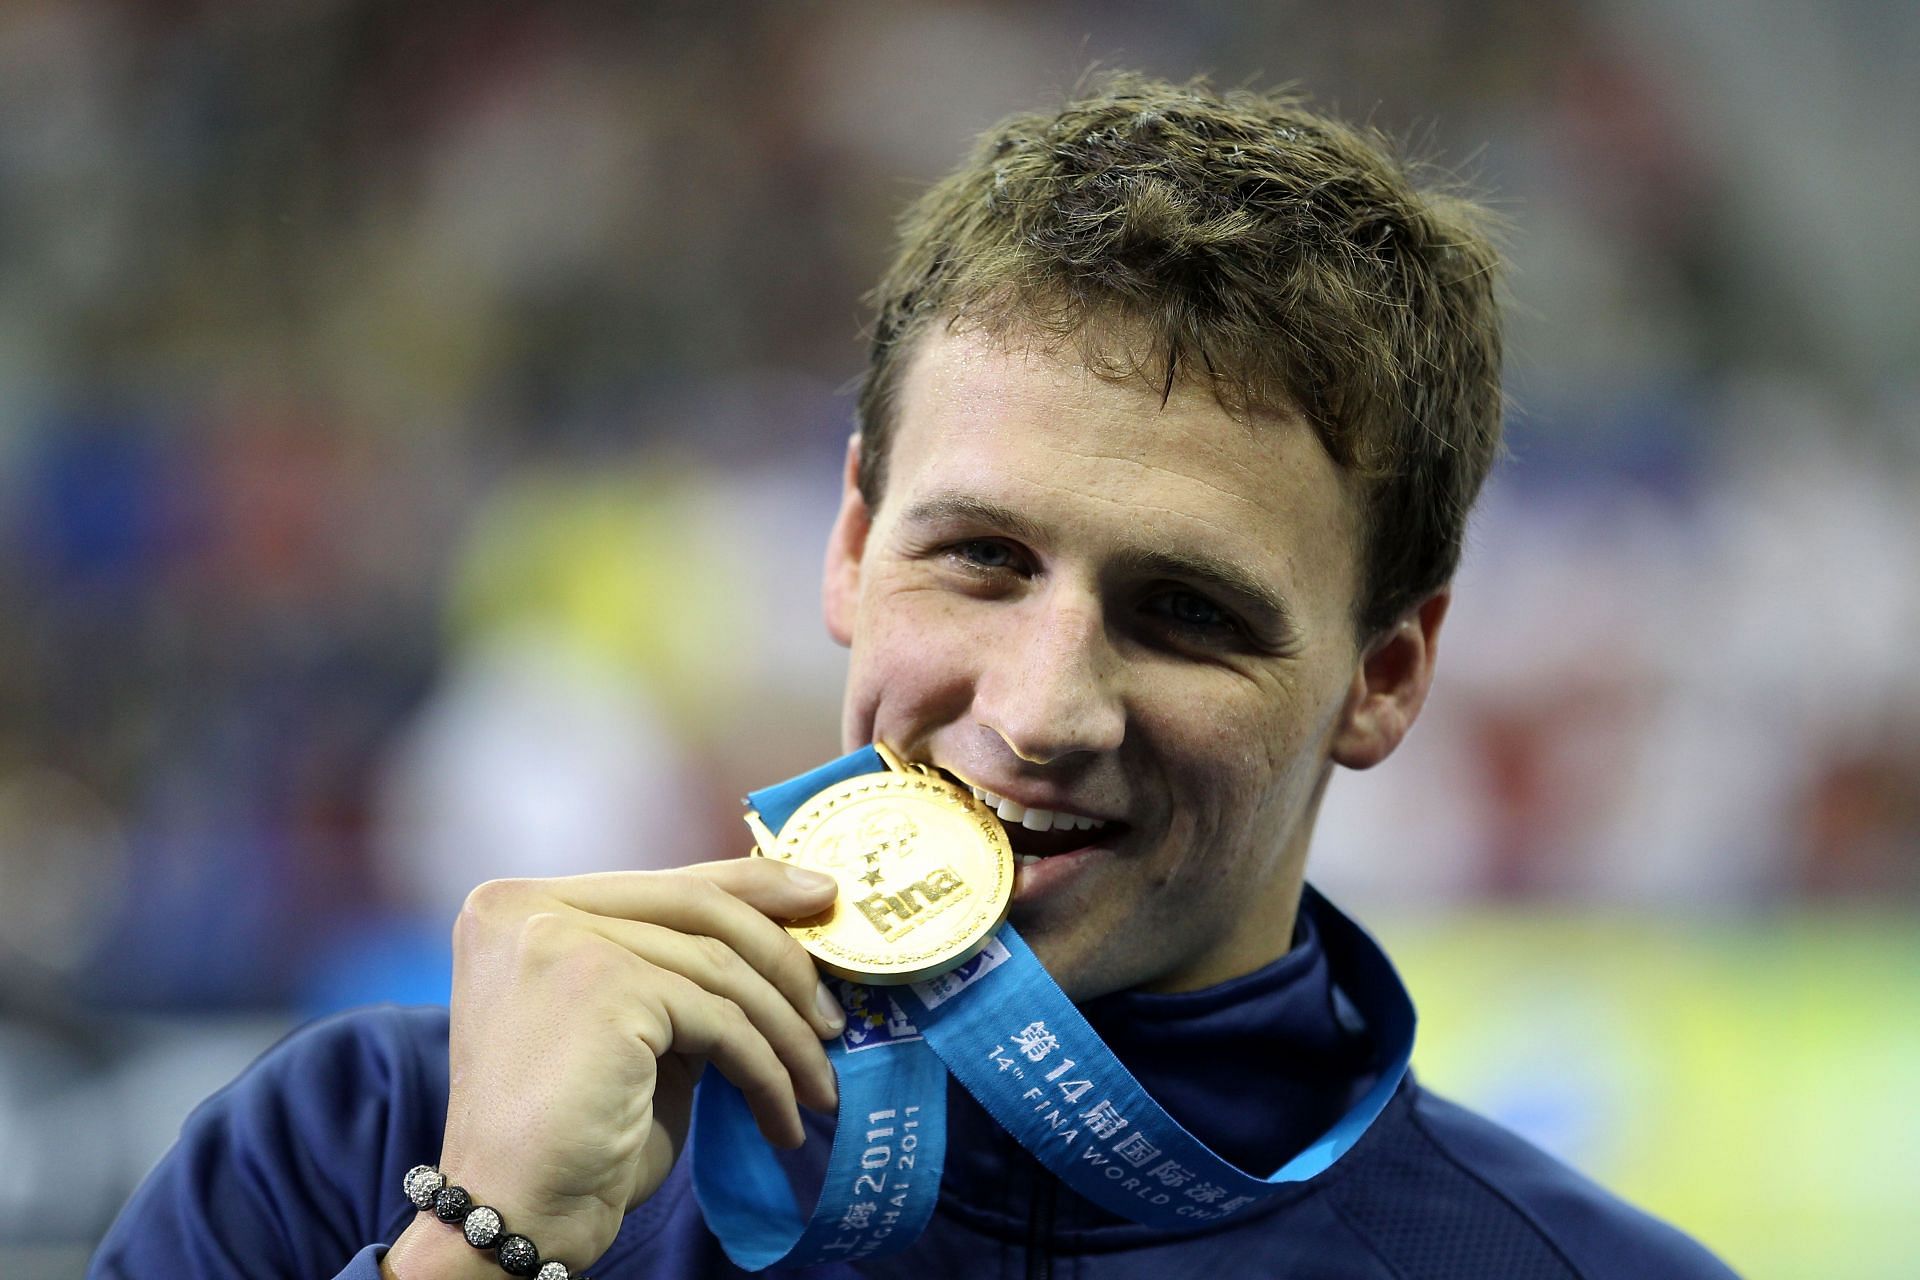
x,y
1222,575
958,507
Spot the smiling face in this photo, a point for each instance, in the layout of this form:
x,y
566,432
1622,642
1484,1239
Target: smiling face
x,y
1092,605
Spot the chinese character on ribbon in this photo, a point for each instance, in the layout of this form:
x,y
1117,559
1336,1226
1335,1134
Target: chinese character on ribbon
x,y
1206,1193
1036,1041
857,1215
1170,1174
1135,1150
1104,1120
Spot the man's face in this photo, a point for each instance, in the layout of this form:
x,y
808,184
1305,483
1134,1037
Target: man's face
x,y
1090,604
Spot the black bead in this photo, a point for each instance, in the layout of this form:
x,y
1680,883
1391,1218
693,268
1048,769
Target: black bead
x,y
517,1256
450,1204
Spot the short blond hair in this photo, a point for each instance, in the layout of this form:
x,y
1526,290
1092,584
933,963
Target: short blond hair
x,y
1283,258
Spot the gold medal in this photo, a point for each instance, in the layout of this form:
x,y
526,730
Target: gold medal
x,y
925,873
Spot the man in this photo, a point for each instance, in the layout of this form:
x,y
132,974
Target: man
x,y
1176,408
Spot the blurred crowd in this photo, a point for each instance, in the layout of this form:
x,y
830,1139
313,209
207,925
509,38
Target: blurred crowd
x,y
419,421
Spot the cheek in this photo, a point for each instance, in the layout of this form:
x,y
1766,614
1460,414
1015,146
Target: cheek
x,y
911,668
1249,765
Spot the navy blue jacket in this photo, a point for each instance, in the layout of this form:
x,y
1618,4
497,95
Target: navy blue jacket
x,y
294,1170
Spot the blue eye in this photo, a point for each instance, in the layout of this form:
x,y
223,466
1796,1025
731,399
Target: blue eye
x,y
985,554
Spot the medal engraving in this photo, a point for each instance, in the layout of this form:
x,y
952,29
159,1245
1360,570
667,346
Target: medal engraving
x,y
925,874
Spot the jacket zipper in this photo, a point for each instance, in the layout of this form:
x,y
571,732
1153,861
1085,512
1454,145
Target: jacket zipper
x,y
1040,1229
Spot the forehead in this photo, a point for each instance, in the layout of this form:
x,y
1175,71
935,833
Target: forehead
x,y
1028,426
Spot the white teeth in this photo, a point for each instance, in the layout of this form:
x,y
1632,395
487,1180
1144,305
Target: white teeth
x,y
1035,819
1026,859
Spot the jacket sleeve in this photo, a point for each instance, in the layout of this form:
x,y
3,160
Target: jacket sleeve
x,y
293,1170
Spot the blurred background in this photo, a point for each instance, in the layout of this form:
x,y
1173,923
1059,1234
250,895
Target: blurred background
x,y
419,423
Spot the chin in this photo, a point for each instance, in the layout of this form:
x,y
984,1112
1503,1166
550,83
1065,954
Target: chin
x,y
1075,964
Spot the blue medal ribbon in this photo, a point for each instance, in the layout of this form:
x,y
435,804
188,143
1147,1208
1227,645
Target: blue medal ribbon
x,y
1003,1028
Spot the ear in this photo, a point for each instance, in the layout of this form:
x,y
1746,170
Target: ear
x,y
1390,685
840,585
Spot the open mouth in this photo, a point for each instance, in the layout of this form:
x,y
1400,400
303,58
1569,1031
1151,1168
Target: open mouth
x,y
1042,833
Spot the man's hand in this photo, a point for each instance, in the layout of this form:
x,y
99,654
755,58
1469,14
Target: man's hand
x,y
584,1010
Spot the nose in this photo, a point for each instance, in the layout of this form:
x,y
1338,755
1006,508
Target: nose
x,y
1051,686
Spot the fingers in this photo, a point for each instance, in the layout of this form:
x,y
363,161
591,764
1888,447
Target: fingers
x,y
702,971
777,888
619,991
700,1024
716,967
771,887
729,902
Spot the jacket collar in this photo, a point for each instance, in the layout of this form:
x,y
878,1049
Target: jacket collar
x,y
1256,1067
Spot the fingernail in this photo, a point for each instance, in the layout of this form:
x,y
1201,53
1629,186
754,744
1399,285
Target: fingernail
x,y
812,881
829,1008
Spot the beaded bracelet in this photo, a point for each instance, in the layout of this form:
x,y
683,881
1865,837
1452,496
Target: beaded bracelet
x,y
427,1187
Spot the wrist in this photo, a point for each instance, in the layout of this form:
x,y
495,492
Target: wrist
x,y
457,1236
432,1250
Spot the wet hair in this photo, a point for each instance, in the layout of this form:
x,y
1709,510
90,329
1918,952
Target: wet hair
x,y
1285,260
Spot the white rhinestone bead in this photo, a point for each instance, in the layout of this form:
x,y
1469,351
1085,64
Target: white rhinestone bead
x,y
423,1180
482,1226
551,1271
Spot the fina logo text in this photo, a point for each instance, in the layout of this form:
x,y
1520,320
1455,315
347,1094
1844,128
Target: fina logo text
x,y
894,913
